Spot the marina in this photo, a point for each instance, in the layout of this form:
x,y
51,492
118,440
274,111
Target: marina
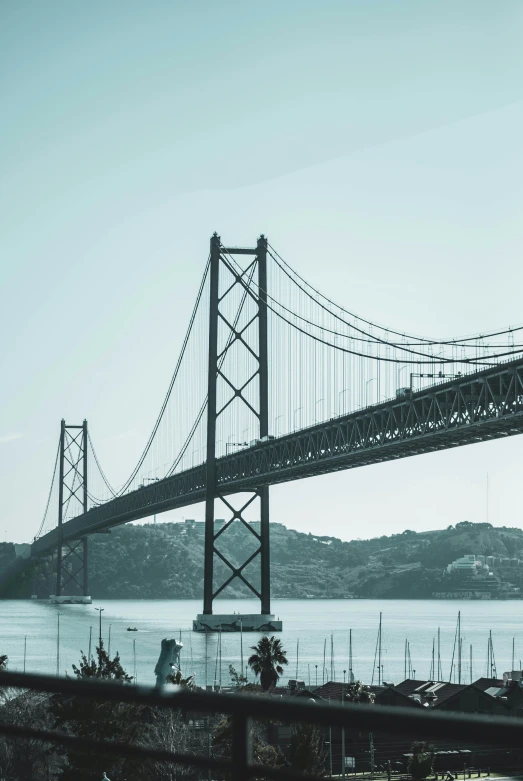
x,y
324,639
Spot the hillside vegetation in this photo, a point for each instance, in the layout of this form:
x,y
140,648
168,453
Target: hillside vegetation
x,y
166,561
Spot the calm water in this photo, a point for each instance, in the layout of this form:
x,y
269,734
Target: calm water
x,y
311,622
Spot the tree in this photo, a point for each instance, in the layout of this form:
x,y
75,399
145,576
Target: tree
x,y
25,757
103,721
420,763
166,728
237,678
262,752
178,679
358,692
267,661
307,750
102,667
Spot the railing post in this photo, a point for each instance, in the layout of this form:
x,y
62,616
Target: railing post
x,y
241,747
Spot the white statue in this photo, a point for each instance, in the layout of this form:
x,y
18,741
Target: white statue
x,y
168,661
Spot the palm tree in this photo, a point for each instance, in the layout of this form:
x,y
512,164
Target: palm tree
x,y
267,661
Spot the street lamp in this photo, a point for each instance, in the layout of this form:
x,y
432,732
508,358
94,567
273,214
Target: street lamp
x,y
294,416
318,402
367,388
400,370
340,396
100,611
276,424
150,480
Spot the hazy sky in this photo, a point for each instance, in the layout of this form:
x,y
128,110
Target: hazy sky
x,y
377,143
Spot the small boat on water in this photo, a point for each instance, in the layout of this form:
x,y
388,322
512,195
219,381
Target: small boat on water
x,y
131,629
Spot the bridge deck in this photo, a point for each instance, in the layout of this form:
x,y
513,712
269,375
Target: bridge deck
x,y
474,408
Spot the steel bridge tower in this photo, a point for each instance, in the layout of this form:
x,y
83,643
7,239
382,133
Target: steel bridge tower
x,y
72,556
264,621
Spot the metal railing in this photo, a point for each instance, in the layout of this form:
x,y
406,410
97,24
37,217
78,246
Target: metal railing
x,y
243,708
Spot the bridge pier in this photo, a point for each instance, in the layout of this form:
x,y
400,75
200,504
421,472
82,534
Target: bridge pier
x,y
72,556
221,372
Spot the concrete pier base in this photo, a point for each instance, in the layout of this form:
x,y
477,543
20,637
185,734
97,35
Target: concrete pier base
x,y
236,622
65,600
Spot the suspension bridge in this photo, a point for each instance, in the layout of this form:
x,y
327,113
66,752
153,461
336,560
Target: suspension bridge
x,y
275,382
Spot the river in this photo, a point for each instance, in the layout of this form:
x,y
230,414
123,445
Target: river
x,y
313,625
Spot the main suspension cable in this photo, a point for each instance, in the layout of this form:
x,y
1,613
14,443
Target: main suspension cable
x,y
416,339
171,385
431,359
107,483
50,492
228,343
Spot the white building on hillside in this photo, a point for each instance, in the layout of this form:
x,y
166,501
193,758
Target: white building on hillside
x,y
468,563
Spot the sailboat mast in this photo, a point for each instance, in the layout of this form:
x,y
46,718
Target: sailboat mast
x,y
459,646
333,675
220,671
58,645
241,647
379,656
494,672
440,672
351,676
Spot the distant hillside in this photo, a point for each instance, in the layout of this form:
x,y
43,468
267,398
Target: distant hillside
x,y
166,561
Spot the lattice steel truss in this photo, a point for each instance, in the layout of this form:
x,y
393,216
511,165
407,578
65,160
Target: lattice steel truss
x,y
71,559
220,372
475,408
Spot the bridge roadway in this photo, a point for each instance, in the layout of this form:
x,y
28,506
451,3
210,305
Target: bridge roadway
x,y
473,408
